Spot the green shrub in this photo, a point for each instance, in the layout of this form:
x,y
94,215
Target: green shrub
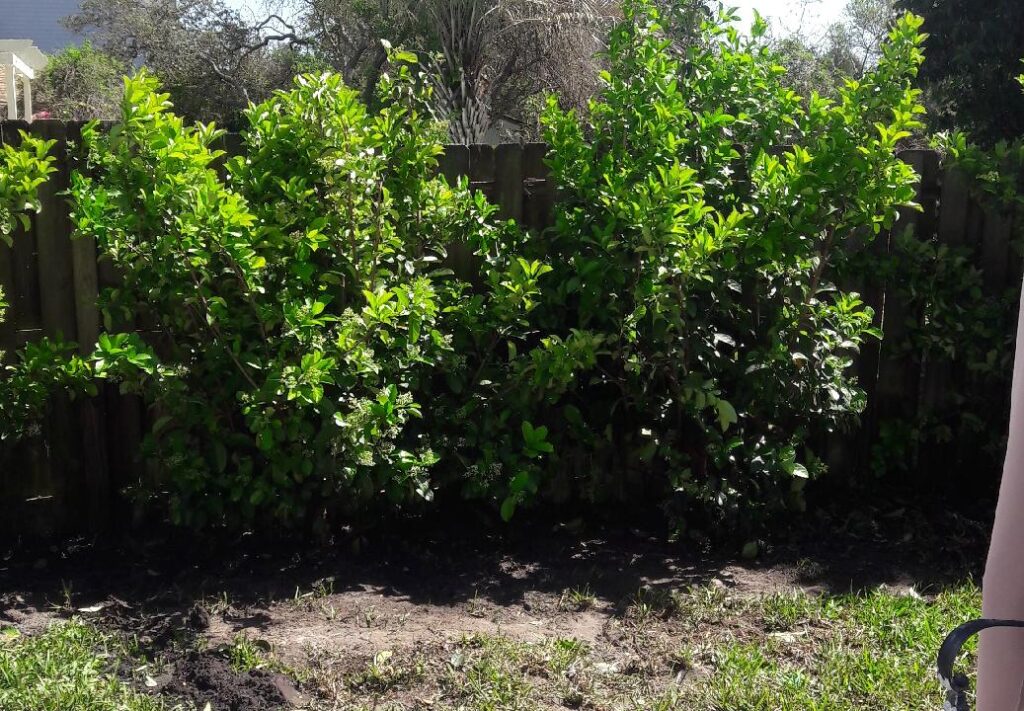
x,y
696,344
26,383
301,312
957,323
81,84
23,168
675,337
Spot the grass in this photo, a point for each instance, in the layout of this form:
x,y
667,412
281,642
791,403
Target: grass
x,y
385,673
70,666
701,648
667,650
246,655
494,677
871,650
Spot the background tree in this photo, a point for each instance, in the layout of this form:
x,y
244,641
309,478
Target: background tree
x,y
346,35
211,61
81,83
486,59
846,49
855,42
973,53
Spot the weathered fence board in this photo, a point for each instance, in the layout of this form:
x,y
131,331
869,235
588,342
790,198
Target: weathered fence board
x,y
69,478
508,181
995,250
538,194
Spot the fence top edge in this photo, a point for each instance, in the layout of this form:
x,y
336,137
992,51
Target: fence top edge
x,y
7,124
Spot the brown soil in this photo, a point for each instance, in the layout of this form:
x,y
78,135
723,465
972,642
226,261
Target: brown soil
x,y
207,678
419,604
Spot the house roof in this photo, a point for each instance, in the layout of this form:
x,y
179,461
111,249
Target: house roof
x,y
26,59
39,21
26,51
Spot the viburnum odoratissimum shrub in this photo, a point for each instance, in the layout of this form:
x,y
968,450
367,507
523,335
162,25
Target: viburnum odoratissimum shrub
x,y
696,341
298,311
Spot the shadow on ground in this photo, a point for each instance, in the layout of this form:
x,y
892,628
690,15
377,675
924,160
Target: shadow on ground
x,y
458,565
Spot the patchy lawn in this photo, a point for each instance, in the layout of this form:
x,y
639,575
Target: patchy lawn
x,y
560,624
70,665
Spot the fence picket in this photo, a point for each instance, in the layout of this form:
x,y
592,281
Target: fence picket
x,y
537,193
508,181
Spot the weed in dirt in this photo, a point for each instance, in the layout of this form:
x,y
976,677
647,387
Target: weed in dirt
x,y
246,654
323,676
371,617
577,599
218,605
681,660
72,665
476,606
386,673
809,571
703,605
562,654
649,604
317,598
487,673
67,596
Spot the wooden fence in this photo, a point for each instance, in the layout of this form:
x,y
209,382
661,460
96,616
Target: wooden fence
x,y
68,478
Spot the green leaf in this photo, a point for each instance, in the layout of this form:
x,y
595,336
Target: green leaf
x,y
522,482
160,424
726,415
508,508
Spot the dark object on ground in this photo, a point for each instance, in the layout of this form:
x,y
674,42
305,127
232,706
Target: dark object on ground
x,y
956,685
198,619
208,678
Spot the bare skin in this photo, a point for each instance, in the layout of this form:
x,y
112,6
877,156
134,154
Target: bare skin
x,y
1001,663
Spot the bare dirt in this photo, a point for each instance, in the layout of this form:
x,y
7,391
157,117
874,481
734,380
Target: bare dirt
x,y
207,678
339,608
